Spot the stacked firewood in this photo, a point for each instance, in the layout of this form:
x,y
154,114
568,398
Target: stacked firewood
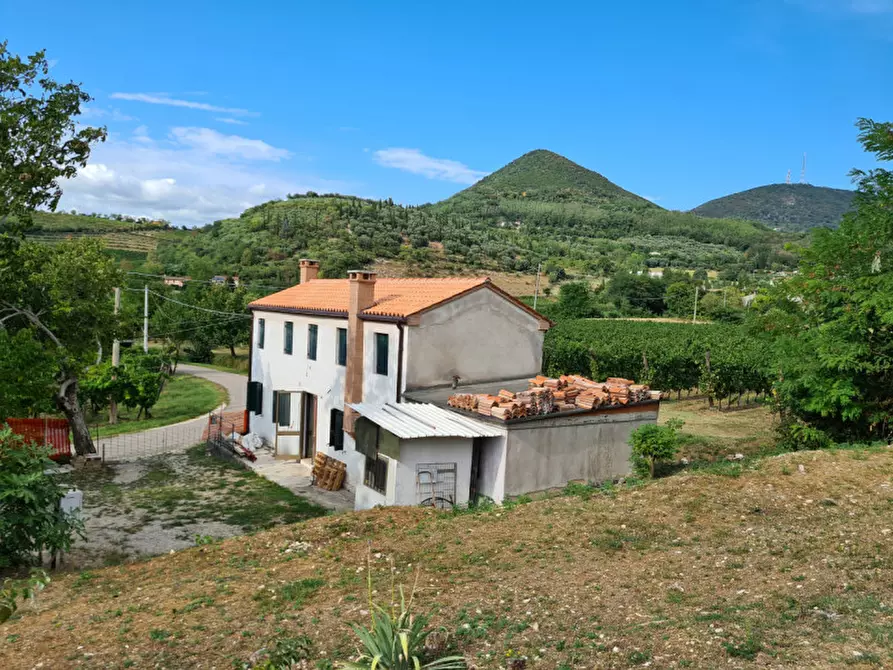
x,y
547,395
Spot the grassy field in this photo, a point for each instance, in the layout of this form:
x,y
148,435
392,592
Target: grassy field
x,y
224,361
183,397
783,562
712,434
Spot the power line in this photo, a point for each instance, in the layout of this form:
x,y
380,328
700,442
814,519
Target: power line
x,y
208,281
186,330
186,304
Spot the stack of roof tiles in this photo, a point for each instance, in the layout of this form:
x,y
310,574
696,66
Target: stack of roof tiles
x,y
547,395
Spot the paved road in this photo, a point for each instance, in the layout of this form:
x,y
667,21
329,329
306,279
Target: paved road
x,y
178,436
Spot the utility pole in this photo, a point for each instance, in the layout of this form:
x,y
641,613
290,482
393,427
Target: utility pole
x,y
694,319
116,358
536,290
724,298
146,319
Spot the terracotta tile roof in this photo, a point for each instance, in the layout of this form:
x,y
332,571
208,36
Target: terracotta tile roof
x,y
393,297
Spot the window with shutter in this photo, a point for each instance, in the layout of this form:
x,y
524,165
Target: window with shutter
x,y
283,414
255,399
336,430
341,348
312,336
381,353
288,335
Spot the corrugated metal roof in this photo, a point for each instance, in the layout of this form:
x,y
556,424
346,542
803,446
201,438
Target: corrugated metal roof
x,y
414,420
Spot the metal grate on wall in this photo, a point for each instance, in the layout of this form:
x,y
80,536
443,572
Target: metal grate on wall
x,y
436,484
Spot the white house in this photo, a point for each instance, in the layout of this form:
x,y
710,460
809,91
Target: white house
x,y
360,369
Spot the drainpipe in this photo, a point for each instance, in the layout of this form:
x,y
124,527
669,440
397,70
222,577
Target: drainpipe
x,y
247,415
400,363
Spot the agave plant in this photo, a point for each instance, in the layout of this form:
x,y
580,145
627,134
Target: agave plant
x,y
396,638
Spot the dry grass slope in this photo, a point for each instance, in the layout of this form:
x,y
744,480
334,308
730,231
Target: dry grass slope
x,y
781,566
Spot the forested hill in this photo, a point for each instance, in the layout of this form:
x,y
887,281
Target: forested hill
x,y
789,207
546,177
491,226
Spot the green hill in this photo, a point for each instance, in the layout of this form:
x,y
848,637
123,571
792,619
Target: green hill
x,y
541,208
547,177
127,238
789,207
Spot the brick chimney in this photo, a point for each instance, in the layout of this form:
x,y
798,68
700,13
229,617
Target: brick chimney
x,y
309,270
362,291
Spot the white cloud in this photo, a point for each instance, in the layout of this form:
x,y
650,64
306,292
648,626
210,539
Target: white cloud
x,y
210,141
413,160
652,198
161,99
109,114
182,182
236,122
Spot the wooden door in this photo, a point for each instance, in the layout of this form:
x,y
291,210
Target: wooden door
x,y
308,425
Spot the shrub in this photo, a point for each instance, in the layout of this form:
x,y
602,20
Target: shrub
x,y
11,590
652,443
30,518
396,639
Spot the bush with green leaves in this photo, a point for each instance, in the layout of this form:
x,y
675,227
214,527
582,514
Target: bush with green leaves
x,y
652,443
13,590
31,521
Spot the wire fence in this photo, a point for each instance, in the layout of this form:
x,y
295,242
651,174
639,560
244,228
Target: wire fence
x,y
144,444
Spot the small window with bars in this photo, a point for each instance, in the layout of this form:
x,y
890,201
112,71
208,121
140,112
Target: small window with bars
x,y
376,476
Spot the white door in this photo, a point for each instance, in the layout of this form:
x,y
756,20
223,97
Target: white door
x,y
288,424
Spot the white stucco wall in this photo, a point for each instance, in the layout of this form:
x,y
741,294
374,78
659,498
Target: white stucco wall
x,y
324,378
376,387
491,472
479,337
278,371
432,450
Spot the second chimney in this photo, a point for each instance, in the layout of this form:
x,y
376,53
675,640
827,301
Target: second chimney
x,y
309,270
362,296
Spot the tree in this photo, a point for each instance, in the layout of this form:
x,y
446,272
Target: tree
x,y
834,354
27,375
680,299
637,291
575,300
40,141
652,443
30,519
62,294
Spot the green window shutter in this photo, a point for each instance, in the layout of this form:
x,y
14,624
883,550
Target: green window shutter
x,y
367,437
381,353
289,332
255,400
341,348
312,337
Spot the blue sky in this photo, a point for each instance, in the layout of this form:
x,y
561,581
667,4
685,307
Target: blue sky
x,y
212,107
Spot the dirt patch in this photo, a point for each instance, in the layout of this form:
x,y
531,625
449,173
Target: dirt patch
x,y
779,566
140,509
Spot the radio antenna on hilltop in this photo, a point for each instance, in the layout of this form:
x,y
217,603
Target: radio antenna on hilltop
x,y
787,180
803,170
